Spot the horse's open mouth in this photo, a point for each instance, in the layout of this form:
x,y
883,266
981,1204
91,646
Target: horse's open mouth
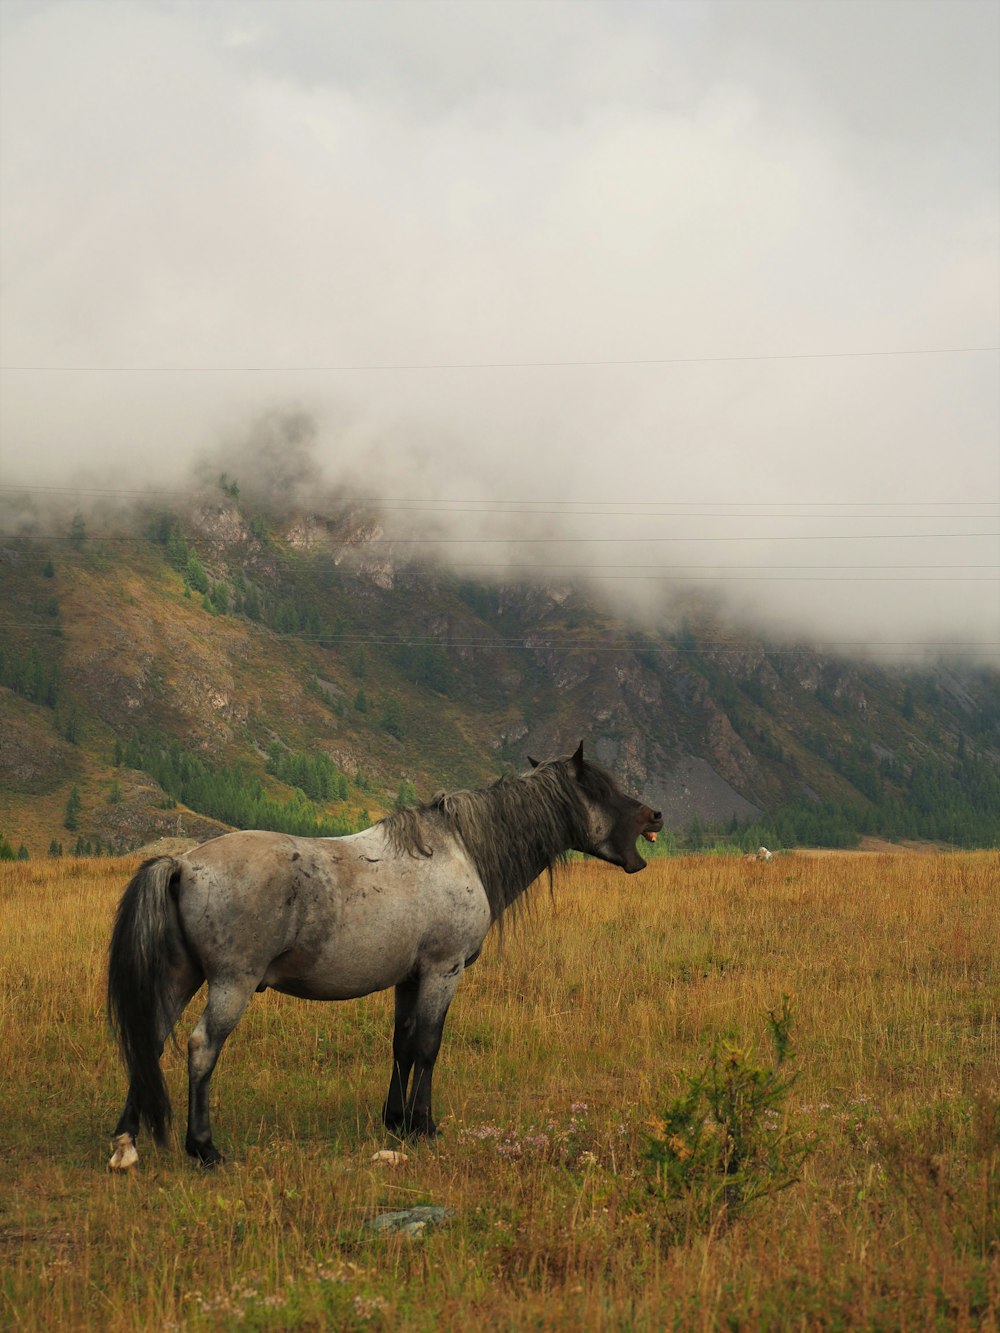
x,y
653,828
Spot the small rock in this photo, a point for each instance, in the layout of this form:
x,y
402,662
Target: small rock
x,y
389,1157
411,1221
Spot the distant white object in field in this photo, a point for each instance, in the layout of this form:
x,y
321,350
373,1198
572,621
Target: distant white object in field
x,y
761,854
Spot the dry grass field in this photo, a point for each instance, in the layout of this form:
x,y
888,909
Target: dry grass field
x,y
561,1048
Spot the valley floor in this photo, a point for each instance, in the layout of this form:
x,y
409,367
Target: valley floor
x,y
562,1053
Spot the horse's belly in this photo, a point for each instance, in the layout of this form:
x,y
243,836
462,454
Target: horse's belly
x,y
367,951
303,988
340,974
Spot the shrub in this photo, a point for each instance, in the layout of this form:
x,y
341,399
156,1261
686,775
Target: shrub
x,y
725,1143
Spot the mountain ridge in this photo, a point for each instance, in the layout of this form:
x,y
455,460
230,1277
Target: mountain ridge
x,y
229,630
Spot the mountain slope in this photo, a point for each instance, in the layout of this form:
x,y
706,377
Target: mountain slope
x,y
201,656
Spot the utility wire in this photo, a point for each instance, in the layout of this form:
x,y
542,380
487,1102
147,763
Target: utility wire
x,y
535,541
683,569
669,570
377,366
559,645
631,508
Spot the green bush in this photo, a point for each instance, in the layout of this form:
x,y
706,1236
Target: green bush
x,y
725,1143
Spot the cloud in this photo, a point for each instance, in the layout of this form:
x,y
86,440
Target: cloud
x,y
219,210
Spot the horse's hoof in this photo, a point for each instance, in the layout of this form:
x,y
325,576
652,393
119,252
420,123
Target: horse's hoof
x,y
206,1154
124,1156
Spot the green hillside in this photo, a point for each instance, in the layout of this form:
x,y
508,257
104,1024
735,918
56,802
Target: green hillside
x,y
170,671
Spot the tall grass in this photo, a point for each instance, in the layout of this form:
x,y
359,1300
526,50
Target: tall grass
x,y
560,1050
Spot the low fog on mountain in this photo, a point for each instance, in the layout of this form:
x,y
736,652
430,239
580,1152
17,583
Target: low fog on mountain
x,y
677,296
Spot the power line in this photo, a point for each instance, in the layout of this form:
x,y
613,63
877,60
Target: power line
x,y
551,644
585,363
507,567
608,512
513,505
536,541
794,578
790,578
682,569
598,645
719,573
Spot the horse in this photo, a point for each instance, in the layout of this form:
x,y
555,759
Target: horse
x,y
406,903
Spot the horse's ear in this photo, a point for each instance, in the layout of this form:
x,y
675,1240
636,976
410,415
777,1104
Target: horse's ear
x,y
532,762
577,760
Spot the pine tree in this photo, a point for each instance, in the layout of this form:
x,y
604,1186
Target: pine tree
x,y
195,574
177,548
71,820
392,717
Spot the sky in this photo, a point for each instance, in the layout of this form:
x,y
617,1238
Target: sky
x,y
672,296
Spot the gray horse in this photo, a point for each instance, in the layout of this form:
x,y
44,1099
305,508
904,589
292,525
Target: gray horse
x,y
407,903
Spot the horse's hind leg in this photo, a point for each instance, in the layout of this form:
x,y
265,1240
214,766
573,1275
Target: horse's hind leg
x,y
227,999
184,982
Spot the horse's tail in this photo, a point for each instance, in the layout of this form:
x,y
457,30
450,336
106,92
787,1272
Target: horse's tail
x,y
139,984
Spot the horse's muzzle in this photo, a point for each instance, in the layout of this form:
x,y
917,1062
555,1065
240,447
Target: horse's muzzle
x,y
654,824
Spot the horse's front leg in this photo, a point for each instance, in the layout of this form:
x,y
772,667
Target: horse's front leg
x,y
394,1109
434,994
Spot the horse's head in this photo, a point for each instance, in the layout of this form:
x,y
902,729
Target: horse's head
x,y
614,820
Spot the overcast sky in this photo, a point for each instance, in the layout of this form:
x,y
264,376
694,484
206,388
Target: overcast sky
x,y
584,252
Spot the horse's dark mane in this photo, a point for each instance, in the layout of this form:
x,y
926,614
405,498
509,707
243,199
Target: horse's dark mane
x,y
514,830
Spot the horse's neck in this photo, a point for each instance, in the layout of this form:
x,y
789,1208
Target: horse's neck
x,y
522,868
